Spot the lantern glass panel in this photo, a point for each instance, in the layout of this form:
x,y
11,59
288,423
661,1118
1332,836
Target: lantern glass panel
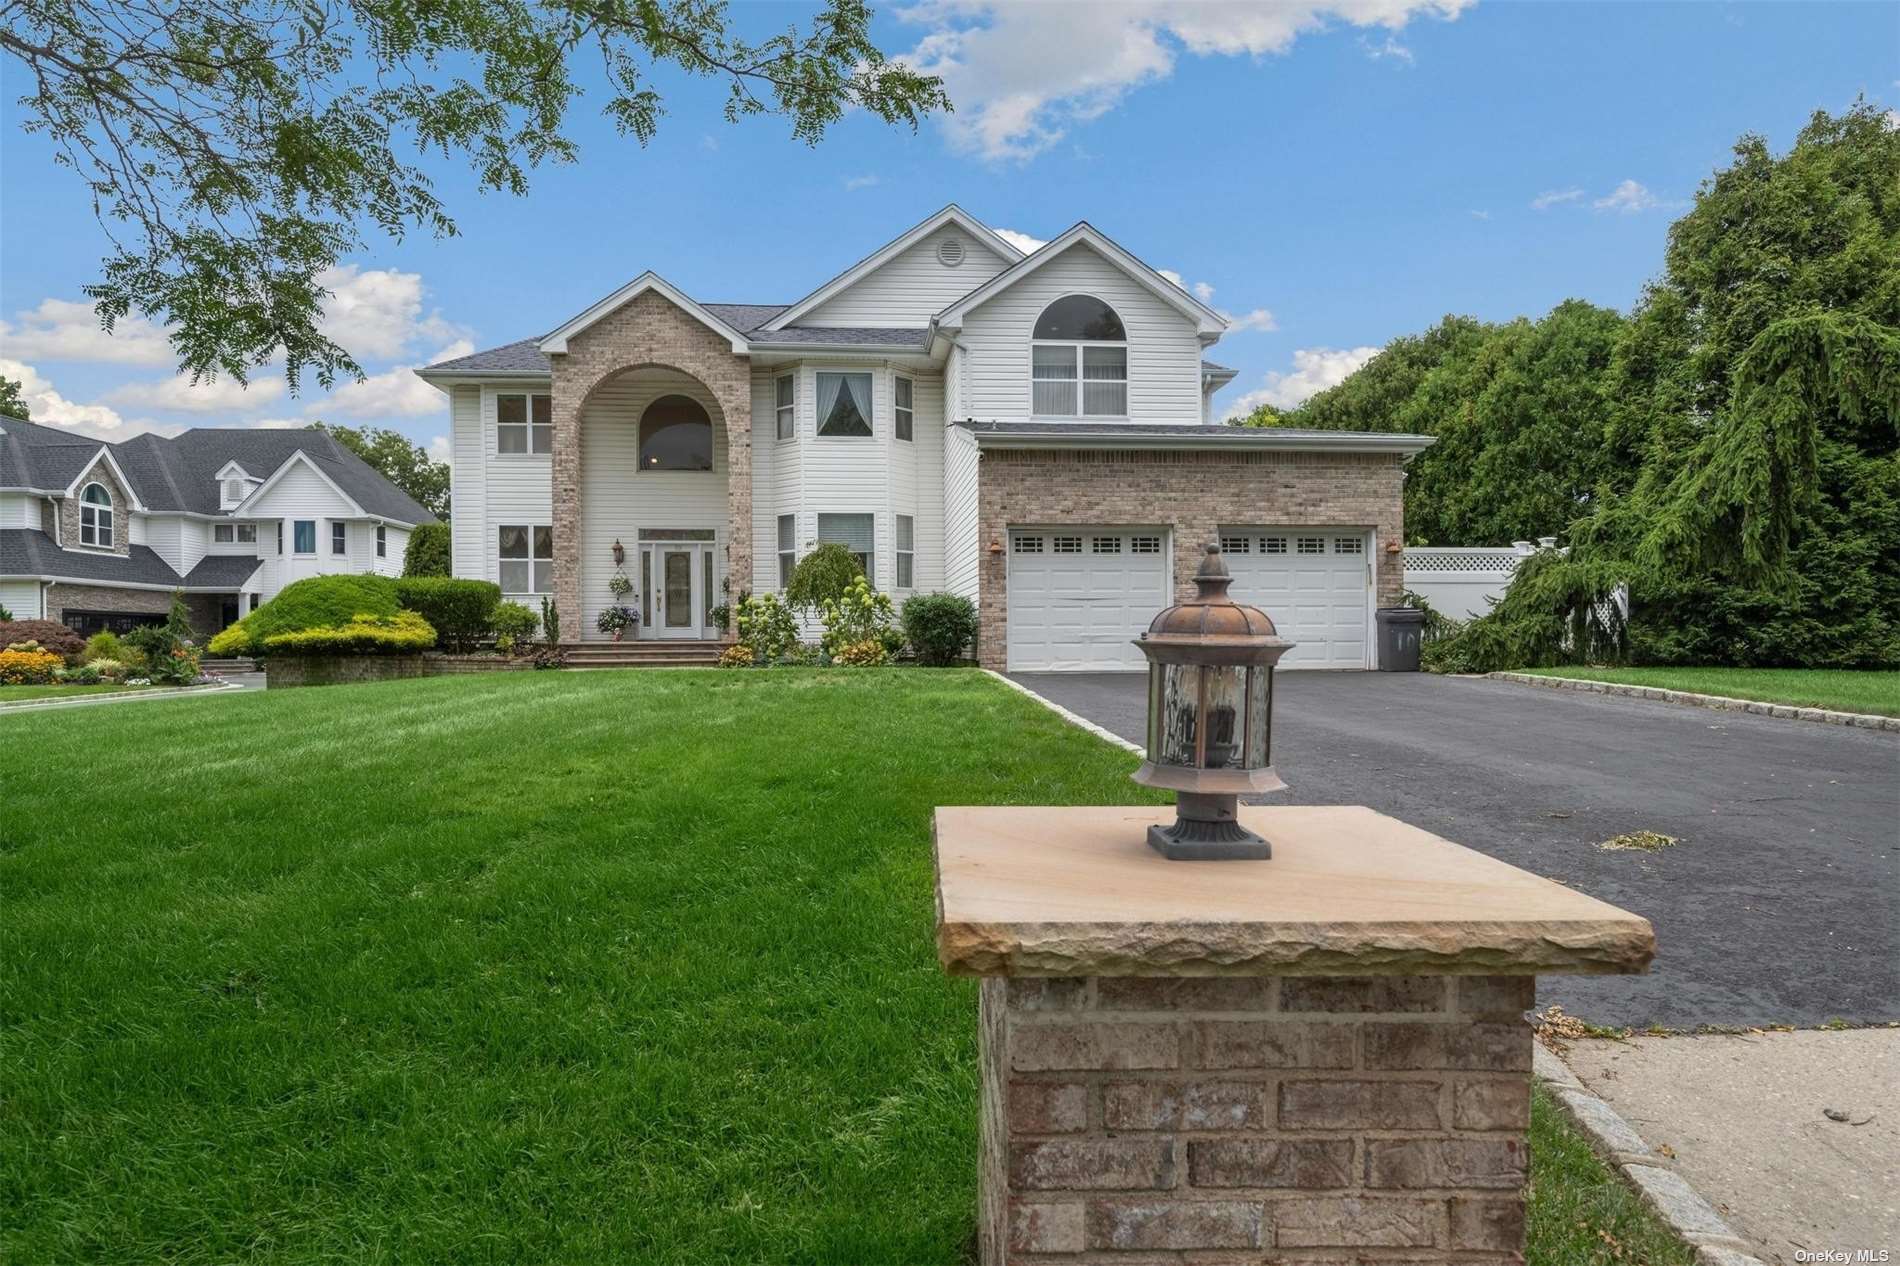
x,y
1259,711
1155,675
1179,715
1225,713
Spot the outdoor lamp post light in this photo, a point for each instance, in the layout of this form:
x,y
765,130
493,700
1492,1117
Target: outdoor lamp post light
x,y
1210,717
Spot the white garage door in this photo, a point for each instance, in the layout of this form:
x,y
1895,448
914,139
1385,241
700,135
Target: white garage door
x,y
1315,583
1079,596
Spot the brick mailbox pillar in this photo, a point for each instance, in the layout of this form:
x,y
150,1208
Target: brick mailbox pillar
x,y
1322,1058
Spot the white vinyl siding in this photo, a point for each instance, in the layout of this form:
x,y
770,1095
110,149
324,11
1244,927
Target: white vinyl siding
x,y
468,484
961,548
912,286
19,510
22,598
1164,350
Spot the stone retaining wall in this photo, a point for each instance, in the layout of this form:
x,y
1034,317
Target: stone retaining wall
x,y
338,670
1332,1120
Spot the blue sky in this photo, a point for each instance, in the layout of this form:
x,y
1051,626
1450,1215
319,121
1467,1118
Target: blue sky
x,y
1338,174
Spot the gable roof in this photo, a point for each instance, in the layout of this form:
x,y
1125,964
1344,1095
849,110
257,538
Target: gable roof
x,y
952,214
298,458
180,473
556,342
1083,233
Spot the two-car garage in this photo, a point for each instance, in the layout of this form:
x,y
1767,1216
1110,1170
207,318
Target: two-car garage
x,y
1078,597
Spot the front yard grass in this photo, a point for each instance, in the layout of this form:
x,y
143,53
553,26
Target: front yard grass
x,y
575,967
1840,689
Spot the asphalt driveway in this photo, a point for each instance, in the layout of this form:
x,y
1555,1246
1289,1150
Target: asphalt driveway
x,y
1781,903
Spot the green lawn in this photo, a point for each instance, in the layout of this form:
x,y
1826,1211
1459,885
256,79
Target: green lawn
x,y
1582,1214
1844,690
20,694
553,967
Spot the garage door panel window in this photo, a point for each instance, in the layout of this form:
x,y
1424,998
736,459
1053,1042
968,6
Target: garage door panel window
x,y
1348,545
1144,545
1067,544
1027,545
1107,544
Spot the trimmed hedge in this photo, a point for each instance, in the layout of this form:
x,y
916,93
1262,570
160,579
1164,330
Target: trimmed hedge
x,y
427,553
50,634
460,611
940,626
317,602
404,633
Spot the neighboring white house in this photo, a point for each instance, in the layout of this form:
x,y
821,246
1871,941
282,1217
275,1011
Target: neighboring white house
x,y
1033,431
100,535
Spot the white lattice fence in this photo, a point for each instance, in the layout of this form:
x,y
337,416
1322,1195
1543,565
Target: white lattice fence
x,y
1462,582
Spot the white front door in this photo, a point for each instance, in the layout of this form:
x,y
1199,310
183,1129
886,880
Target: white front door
x,y
679,594
1078,597
1315,584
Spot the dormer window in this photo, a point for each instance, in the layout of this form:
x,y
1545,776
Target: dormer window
x,y
1079,361
233,491
95,517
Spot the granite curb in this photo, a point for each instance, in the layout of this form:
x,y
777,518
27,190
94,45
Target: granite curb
x,y
1071,717
117,696
1692,1218
1723,703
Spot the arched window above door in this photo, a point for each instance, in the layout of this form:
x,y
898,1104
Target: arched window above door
x,y
676,434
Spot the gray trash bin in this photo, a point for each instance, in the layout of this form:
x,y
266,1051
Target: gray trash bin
x,y
1399,632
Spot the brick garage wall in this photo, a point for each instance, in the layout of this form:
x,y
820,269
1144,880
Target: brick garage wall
x,y
1194,492
649,331
1323,1120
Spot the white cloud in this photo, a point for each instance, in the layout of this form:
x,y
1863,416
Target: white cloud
x,y
377,313
1259,320
1016,96
1552,197
181,394
49,408
1390,48
1314,370
1480,215
1203,292
1893,116
65,330
394,393
439,449
1627,198
1021,241
1173,276
854,183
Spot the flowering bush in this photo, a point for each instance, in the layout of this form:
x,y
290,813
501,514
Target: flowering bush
x,y
112,669
767,626
861,615
617,620
738,655
33,667
404,633
869,653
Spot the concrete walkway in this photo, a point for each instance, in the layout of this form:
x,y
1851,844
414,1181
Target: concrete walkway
x,y
1780,903
1745,1119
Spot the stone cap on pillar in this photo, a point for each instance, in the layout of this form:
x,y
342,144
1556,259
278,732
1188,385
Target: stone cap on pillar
x,y
1035,891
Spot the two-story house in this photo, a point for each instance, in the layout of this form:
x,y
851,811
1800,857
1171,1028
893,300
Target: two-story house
x,y
99,535
1033,431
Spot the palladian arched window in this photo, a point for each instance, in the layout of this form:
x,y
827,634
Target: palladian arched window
x,y
95,516
1079,361
676,434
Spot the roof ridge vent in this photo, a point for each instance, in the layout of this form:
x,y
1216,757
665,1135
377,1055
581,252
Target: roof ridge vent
x,y
950,251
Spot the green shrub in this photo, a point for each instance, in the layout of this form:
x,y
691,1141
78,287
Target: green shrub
x,y
404,633
822,576
318,602
940,626
109,645
514,625
738,655
114,670
427,553
81,675
459,611
767,626
50,634
170,657
861,615
869,653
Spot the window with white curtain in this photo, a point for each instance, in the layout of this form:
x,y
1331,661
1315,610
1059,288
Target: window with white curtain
x,y
787,549
787,397
844,405
906,551
1078,361
905,427
524,424
857,533
527,558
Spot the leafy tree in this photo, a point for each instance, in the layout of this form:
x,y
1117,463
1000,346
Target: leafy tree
x,y
234,148
428,552
824,575
398,459
12,403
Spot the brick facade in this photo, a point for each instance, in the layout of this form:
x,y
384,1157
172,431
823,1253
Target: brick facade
x,y
1309,1120
649,331
1195,492
68,511
61,598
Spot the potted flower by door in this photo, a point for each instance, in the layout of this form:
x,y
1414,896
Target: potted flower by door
x,y
617,620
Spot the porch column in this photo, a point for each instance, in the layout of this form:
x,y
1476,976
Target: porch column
x,y
568,395
733,392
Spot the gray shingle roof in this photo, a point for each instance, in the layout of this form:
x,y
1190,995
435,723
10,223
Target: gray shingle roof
x,y
181,473
30,552
745,317
847,336
523,356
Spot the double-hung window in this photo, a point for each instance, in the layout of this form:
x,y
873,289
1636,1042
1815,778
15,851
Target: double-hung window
x,y
906,551
242,534
844,405
95,517
857,533
339,538
1079,361
786,387
906,418
787,549
524,423
527,558
303,536
382,541
223,533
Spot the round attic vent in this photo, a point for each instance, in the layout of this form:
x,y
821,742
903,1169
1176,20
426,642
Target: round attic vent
x,y
950,252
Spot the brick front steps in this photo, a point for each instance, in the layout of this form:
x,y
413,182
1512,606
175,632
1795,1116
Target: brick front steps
x,y
682,654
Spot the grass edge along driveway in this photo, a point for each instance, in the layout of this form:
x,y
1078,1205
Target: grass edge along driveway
x,y
539,967
1837,689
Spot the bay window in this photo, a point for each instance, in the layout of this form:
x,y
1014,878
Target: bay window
x,y
844,405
